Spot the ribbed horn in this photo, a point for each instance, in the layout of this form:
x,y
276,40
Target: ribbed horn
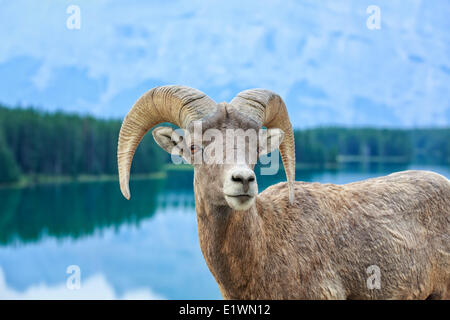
x,y
268,109
175,104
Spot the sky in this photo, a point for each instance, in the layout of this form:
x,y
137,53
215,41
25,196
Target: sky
x,y
320,56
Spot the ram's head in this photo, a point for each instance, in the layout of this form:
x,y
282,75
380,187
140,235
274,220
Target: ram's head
x,y
222,141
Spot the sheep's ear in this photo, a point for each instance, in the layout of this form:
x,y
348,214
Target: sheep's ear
x,y
270,140
171,141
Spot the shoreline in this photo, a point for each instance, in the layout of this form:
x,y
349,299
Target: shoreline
x,y
35,180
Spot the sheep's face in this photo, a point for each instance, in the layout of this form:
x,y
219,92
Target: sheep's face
x,y
223,150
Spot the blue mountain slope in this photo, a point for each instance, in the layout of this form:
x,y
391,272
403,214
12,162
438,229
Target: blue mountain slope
x,y
320,56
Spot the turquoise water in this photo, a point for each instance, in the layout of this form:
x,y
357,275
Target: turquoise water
x,y
144,248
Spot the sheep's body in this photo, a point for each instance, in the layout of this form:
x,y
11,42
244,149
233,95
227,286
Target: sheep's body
x,y
295,240
321,246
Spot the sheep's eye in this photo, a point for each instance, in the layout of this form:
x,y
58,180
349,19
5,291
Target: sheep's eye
x,y
194,148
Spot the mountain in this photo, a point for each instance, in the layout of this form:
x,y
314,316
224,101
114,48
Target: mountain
x,y
320,56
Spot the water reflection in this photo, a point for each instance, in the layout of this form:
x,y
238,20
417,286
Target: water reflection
x,y
78,209
94,287
73,210
145,247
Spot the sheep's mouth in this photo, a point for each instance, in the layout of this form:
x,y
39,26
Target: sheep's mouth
x,y
241,197
240,201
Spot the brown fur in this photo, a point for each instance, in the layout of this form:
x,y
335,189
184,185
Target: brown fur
x,y
302,240
320,247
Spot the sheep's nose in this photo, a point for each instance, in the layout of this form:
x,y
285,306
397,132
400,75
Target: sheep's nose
x,y
244,176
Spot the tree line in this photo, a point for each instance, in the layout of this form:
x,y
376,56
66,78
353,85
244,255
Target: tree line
x,y
336,145
35,142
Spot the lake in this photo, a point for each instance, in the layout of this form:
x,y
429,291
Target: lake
x,y
145,248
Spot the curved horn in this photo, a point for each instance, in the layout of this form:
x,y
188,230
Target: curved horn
x,y
268,109
175,104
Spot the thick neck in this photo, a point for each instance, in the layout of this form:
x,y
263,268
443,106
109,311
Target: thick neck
x,y
231,242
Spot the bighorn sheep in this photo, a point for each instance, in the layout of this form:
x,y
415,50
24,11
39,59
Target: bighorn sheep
x,y
297,240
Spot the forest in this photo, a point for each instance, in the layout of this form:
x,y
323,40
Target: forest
x,y
35,143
